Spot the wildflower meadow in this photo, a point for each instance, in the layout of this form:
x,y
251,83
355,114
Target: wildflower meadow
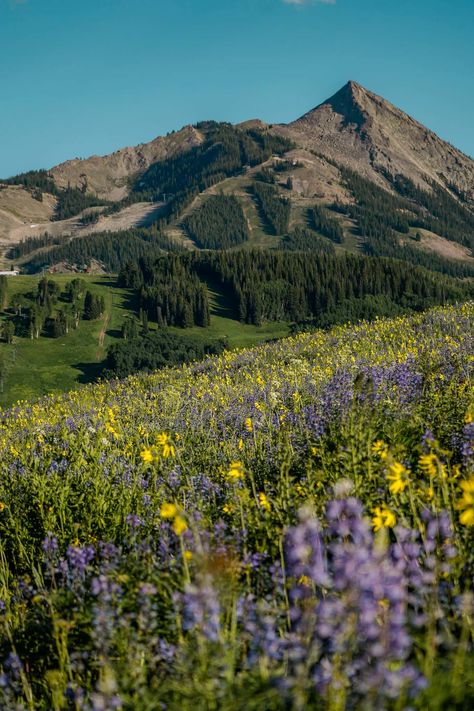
x,y
282,528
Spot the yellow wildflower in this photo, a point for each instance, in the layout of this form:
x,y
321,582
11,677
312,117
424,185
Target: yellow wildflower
x,y
399,477
179,525
168,450
468,418
167,447
380,449
466,503
236,471
383,518
226,509
168,511
456,471
429,464
248,424
241,443
188,555
2,506
264,502
147,455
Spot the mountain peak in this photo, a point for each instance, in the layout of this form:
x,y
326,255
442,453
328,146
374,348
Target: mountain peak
x,y
361,130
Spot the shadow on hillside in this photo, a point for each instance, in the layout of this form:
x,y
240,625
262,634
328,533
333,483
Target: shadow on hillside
x,y
90,372
114,333
130,297
112,284
220,304
267,226
152,216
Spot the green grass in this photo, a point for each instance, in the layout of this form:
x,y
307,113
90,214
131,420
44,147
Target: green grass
x,y
48,365
34,368
224,324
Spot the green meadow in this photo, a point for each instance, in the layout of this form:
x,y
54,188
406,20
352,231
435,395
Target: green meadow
x,y
32,368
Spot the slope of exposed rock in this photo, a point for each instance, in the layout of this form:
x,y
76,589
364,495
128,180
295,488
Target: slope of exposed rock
x,y
106,176
365,132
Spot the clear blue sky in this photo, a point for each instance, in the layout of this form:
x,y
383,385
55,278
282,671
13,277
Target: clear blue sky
x,y
79,77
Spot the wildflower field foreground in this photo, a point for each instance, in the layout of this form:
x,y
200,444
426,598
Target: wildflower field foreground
x,y
289,527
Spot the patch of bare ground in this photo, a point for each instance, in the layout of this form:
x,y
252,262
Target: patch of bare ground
x,y
431,242
140,214
18,210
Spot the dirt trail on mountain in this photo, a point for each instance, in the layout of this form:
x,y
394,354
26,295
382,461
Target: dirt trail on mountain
x,y
102,333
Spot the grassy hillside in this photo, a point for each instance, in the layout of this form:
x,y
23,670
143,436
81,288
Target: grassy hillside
x,y
38,367
284,528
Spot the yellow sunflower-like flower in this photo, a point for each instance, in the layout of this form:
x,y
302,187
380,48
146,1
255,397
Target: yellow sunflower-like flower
x,y
168,510
179,525
429,464
147,455
466,503
383,518
399,476
167,447
264,502
236,471
380,449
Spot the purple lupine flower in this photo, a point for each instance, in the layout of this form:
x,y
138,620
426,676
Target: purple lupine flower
x,y
134,521
50,546
361,615
79,557
201,609
304,552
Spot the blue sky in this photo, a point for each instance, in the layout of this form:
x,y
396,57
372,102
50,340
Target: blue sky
x,y
79,77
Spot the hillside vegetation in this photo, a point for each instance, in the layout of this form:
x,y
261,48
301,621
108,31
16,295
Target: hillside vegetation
x,y
356,171
289,527
79,357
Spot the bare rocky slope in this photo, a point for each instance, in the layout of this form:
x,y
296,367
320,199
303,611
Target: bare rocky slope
x,y
366,133
106,176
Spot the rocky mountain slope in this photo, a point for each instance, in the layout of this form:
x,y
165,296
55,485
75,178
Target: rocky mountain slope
x,y
354,133
107,176
368,134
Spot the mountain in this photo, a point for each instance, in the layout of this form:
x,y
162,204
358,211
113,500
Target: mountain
x,y
355,170
107,176
365,132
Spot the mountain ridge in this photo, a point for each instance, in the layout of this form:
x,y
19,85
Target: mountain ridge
x,y
358,128
354,129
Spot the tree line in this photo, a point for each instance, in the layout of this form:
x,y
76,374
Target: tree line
x,y
302,239
170,291
157,350
69,201
112,250
48,311
274,208
225,152
381,215
292,286
322,221
218,224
